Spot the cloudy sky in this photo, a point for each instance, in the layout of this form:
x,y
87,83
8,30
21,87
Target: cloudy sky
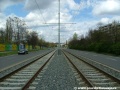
x,y
84,14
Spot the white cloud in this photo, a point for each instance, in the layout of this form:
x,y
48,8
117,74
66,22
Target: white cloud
x,y
72,5
81,5
105,20
48,13
2,20
107,7
35,20
116,18
49,10
34,4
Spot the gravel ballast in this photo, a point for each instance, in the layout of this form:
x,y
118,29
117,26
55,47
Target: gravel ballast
x,y
58,76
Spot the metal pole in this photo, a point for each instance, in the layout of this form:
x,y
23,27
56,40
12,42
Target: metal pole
x,y
59,24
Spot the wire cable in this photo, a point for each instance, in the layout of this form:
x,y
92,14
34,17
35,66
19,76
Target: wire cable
x,y
40,11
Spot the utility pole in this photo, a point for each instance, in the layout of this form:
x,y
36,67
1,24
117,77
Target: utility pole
x,y
58,23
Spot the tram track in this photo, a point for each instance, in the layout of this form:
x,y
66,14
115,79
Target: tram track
x,y
22,78
89,75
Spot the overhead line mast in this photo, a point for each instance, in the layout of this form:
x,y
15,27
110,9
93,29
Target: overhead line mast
x,y
58,23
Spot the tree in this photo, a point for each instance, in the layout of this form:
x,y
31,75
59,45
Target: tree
x,y
9,31
74,42
20,30
41,42
75,36
33,39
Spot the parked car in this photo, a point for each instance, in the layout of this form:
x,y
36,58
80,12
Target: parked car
x,y
23,51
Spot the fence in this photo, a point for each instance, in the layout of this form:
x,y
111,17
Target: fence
x,y
8,47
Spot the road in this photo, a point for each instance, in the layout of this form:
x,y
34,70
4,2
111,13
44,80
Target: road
x,y
112,61
10,60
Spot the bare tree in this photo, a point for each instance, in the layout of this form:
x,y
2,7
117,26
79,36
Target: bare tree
x,y
2,35
9,30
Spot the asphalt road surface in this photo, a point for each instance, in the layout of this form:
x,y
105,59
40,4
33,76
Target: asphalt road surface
x,y
112,61
7,61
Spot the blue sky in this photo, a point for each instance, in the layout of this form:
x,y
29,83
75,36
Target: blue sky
x,y
17,9
77,1
85,13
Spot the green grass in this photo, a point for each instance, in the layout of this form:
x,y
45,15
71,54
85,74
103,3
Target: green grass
x,y
7,53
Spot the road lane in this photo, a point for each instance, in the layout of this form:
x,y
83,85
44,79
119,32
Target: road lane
x,y
112,61
7,61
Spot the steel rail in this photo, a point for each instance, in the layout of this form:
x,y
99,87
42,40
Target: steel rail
x,y
107,74
36,74
79,72
11,73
